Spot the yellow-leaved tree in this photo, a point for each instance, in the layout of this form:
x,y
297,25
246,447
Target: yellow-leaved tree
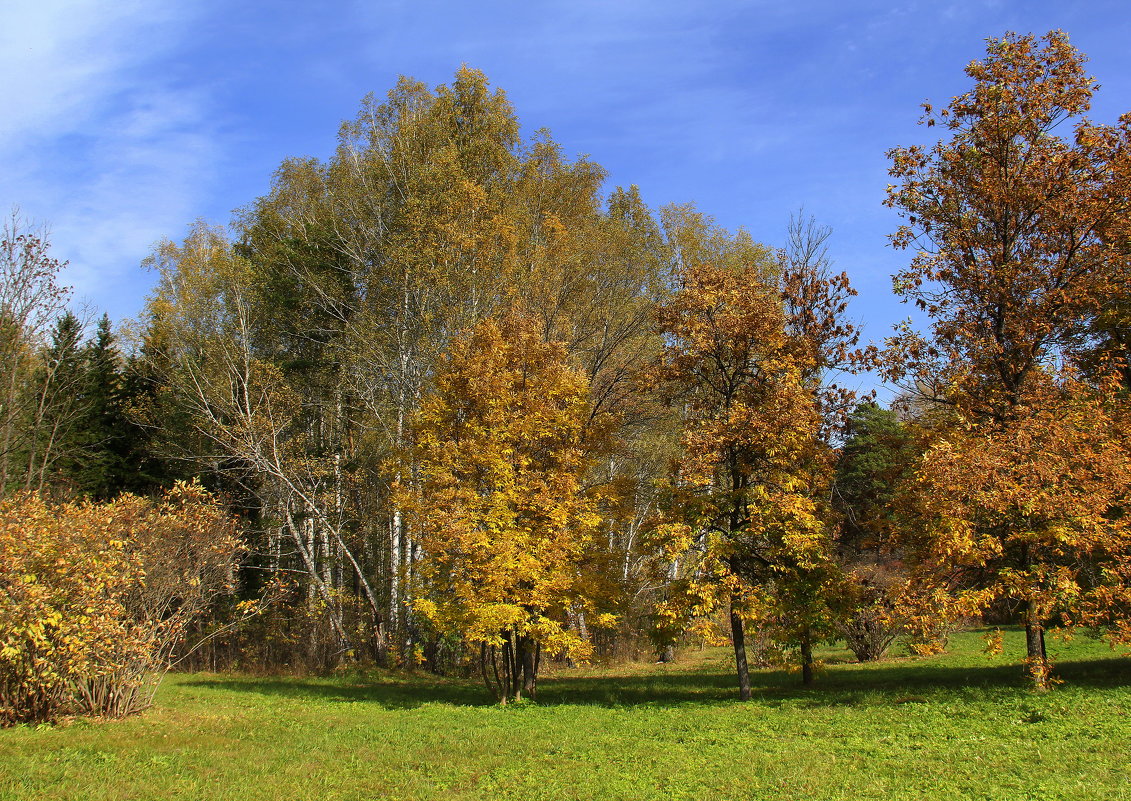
x,y
498,503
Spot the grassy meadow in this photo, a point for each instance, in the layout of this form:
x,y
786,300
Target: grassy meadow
x,y
957,726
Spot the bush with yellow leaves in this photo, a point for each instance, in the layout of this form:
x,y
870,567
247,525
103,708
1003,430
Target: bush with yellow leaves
x,y
94,597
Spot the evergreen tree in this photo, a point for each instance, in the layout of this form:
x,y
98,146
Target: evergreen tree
x,y
104,473
878,457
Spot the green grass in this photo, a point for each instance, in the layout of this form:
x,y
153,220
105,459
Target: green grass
x,y
959,726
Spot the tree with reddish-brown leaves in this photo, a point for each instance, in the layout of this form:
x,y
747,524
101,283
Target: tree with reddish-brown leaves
x,y
1016,221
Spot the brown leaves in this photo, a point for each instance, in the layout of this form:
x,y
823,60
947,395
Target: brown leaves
x,y
1011,221
1030,505
750,334
1022,238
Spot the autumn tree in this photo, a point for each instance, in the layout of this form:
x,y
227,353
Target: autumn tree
x,y
247,415
498,502
59,443
1018,235
595,278
63,391
336,296
751,443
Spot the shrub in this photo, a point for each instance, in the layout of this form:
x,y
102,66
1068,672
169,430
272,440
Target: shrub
x,y
875,618
94,597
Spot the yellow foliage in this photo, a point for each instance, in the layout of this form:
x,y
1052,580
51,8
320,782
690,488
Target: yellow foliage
x,y
93,596
748,336
497,498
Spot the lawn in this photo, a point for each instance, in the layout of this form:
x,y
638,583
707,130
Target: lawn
x,y
958,726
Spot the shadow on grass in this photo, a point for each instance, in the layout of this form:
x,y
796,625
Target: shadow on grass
x,y
400,692
889,682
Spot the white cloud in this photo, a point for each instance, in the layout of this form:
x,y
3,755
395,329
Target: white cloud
x,y
94,140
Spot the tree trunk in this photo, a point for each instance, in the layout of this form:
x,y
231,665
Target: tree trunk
x,y
806,657
395,534
487,656
529,652
1036,656
517,675
8,406
316,584
513,662
738,634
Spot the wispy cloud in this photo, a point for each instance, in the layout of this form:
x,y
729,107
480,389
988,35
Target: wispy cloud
x,y
95,141
122,121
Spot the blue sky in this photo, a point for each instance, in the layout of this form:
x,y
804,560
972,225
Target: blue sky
x,y
123,122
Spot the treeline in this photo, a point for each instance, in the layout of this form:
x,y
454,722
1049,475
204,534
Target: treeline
x,y
474,412
65,422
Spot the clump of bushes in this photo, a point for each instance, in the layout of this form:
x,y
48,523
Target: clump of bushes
x,y
94,597
875,614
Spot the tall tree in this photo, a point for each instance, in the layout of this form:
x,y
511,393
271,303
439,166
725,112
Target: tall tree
x,y
60,442
751,425
107,429
351,278
249,417
1018,234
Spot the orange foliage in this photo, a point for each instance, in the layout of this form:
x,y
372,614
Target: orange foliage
x,y
1019,235
747,376
1020,243
1029,511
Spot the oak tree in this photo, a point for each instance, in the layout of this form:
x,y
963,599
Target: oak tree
x,y
752,450
1017,232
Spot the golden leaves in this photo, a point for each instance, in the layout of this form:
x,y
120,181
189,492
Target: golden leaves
x,y
498,500
746,343
1030,504
101,592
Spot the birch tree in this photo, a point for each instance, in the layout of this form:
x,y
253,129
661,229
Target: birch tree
x,y
30,301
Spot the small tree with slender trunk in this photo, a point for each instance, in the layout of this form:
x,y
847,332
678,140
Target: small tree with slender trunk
x,y
30,301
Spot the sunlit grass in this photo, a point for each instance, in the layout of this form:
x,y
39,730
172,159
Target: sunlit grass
x,y
956,726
